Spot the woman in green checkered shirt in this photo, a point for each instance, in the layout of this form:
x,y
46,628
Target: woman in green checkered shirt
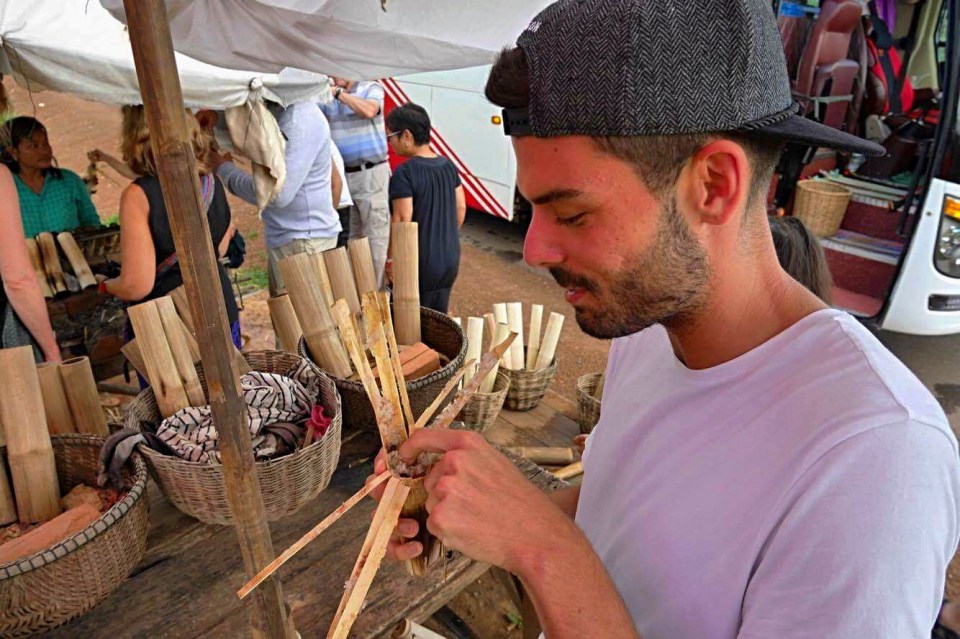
x,y
51,199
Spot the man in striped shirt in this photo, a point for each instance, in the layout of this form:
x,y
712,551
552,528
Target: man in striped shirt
x,y
356,124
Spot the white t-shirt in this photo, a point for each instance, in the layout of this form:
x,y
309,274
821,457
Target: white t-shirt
x,y
808,488
345,199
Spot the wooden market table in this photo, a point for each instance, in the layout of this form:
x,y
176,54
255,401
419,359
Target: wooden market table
x,y
186,584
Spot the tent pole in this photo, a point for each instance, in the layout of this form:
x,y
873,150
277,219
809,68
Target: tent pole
x,y
176,167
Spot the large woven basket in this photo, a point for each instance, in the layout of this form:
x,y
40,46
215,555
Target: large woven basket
x,y
527,388
287,483
48,589
821,205
438,332
483,408
589,413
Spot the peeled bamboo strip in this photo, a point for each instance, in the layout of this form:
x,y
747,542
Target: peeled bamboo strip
x,y
81,390
29,451
384,303
377,343
285,322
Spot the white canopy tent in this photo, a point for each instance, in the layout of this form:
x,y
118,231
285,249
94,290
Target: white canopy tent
x,y
348,38
75,46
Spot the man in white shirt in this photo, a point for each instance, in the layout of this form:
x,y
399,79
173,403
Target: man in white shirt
x,y
762,467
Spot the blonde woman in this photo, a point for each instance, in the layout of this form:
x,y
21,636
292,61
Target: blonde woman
x,y
21,302
149,263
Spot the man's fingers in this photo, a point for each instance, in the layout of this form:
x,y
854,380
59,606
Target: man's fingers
x,y
404,552
435,441
380,463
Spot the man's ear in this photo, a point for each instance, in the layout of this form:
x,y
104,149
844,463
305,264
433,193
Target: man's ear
x,y
715,184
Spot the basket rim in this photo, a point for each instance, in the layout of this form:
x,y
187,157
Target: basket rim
x,y
500,375
442,374
582,382
526,371
824,187
110,517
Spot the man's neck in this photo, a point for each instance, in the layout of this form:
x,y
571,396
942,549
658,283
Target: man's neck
x,y
748,306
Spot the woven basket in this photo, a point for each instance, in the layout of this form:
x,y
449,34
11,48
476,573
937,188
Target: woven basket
x,y
287,483
527,388
589,413
438,332
483,408
821,205
48,589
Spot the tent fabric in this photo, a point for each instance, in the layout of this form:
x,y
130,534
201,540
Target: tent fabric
x,y
347,38
75,46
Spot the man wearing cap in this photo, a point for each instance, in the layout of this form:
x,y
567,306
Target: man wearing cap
x,y
763,467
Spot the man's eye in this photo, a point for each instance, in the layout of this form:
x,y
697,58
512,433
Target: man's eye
x,y
572,220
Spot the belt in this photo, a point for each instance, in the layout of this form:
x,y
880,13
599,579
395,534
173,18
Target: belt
x,y
360,167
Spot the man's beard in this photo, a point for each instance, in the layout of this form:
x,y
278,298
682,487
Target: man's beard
x,y
664,284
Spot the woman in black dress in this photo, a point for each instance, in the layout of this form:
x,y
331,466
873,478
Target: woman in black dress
x,y
426,189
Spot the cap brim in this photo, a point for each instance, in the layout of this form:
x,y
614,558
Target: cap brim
x,y
803,130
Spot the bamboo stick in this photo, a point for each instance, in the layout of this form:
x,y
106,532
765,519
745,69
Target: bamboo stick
x,y
77,261
490,380
550,456
383,302
341,277
345,321
515,320
377,343
414,507
427,414
80,388
51,263
500,316
571,471
406,281
8,506
29,451
37,263
314,532
474,341
285,322
161,366
301,275
361,259
55,404
182,357
533,340
369,561
131,350
550,338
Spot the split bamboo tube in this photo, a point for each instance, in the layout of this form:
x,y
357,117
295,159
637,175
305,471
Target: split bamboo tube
x,y
179,297
362,261
285,322
8,507
81,390
341,277
474,342
500,317
29,451
550,338
515,320
502,332
177,340
161,367
406,281
323,278
37,263
51,263
77,261
55,405
550,456
533,343
300,275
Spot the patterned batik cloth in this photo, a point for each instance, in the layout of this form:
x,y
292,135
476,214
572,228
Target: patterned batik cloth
x,y
270,398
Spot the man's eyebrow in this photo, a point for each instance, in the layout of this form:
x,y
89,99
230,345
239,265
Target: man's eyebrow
x,y
556,194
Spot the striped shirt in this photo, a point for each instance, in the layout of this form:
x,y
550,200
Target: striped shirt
x,y
63,204
359,139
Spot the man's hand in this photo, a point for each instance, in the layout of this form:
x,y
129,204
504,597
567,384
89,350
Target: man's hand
x,y
215,160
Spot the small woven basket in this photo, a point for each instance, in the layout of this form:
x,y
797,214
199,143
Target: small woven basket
x,y
483,408
287,483
821,205
527,388
440,333
50,588
589,413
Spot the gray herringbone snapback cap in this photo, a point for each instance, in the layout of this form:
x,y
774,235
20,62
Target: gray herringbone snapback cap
x,y
663,67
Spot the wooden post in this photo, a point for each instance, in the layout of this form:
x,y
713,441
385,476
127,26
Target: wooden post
x,y
55,404
405,249
176,166
32,465
285,322
81,390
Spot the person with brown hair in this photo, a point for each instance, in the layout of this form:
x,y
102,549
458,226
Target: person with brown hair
x,y
763,466
149,263
801,255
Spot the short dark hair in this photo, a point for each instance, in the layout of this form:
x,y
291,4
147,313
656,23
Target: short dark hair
x,y
15,131
801,255
658,159
413,118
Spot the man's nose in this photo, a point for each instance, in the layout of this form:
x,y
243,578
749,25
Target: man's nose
x,y
541,247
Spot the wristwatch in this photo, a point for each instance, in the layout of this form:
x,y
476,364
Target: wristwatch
x,y
336,94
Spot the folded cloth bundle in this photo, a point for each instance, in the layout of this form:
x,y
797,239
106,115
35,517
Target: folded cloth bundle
x,y
277,406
